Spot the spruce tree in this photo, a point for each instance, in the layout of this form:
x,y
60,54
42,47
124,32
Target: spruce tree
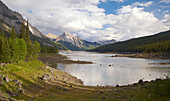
x,y
13,33
5,55
22,31
27,33
22,49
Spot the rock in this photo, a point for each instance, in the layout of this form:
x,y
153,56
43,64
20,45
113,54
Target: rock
x,y
45,77
6,79
15,80
10,99
158,79
135,84
101,92
58,87
65,89
18,83
9,92
15,94
20,89
140,82
146,82
117,85
1,82
1,75
152,81
51,71
124,96
103,97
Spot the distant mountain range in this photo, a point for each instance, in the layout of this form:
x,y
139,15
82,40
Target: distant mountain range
x,y
158,42
9,18
107,42
72,42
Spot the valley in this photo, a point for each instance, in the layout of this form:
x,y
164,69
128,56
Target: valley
x,y
36,66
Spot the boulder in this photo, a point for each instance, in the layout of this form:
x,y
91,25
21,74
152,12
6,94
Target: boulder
x,y
45,77
140,82
51,71
1,75
1,81
117,85
6,79
20,89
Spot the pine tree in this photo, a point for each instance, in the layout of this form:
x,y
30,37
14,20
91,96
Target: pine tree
x,y
5,55
13,33
36,47
19,50
22,31
15,50
27,33
22,49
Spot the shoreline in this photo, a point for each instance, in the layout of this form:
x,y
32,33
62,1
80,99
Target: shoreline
x,y
145,55
45,81
52,59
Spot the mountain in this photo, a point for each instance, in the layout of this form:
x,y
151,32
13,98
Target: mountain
x,y
72,42
154,43
107,42
9,18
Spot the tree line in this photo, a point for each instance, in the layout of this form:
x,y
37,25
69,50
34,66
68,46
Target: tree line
x,y
20,48
15,49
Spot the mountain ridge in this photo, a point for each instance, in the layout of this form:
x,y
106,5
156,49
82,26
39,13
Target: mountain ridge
x,y
9,18
137,44
73,42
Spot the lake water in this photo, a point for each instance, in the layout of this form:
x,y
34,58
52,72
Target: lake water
x,y
123,71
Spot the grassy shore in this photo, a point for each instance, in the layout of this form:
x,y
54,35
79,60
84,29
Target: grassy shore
x,y
146,55
25,82
52,59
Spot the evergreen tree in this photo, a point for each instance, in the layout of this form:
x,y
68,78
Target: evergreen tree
x,y
36,47
5,55
22,49
13,33
15,50
22,31
27,33
19,50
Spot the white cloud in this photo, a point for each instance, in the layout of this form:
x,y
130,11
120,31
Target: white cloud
x,y
84,18
146,4
117,0
165,1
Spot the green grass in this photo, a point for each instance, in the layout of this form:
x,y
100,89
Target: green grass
x,y
28,72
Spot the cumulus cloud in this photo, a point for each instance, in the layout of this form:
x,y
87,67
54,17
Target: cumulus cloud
x,y
165,1
117,0
146,4
85,19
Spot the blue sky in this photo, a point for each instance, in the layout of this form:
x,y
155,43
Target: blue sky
x,y
96,20
156,8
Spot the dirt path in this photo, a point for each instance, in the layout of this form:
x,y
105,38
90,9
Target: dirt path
x,y
40,92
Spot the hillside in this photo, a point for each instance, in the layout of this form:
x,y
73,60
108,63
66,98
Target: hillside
x,y
9,18
138,44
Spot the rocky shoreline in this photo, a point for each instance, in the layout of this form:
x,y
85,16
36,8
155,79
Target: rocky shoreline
x,y
52,59
146,55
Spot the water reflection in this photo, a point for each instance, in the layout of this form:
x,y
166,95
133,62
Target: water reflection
x,y
112,70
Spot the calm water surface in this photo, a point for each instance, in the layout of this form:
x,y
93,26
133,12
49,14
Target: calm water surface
x,y
123,71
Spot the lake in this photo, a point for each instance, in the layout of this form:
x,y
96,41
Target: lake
x,y
108,70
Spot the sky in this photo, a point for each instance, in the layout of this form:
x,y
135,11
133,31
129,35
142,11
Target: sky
x,y
96,20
